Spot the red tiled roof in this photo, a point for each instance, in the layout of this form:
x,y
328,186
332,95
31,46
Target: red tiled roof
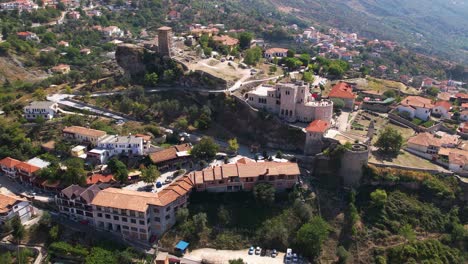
x,y
9,162
318,126
464,105
84,131
99,178
417,101
462,95
276,50
444,104
226,40
342,90
27,167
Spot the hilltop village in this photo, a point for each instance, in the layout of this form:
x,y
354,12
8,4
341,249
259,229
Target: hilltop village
x,y
208,143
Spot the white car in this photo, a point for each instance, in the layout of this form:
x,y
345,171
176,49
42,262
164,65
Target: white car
x,y
288,255
258,250
251,250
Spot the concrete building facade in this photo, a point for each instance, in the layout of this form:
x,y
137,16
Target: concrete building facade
x,y
44,109
293,102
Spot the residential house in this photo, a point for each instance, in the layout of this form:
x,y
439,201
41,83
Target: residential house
x,y
112,32
226,40
462,97
26,172
244,176
75,15
198,32
13,206
79,151
173,15
83,135
344,91
26,35
61,69
171,156
126,145
75,202
98,179
272,53
464,106
416,106
97,156
146,141
458,162
63,43
140,215
8,166
442,109
44,109
291,101
464,115
427,143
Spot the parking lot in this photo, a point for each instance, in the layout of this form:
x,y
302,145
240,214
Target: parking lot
x,y
223,256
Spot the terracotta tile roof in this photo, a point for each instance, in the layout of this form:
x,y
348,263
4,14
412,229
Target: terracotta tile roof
x,y
226,40
99,178
276,50
458,159
84,131
23,166
318,126
7,202
145,137
342,90
444,104
9,162
464,105
462,95
245,160
417,102
425,139
169,153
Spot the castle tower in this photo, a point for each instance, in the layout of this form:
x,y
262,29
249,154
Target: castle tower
x,y
352,162
165,41
314,137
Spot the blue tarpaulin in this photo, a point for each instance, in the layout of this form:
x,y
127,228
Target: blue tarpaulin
x,y
182,245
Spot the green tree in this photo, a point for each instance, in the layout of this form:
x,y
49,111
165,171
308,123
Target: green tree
x,y
311,236
338,103
432,91
389,94
253,56
205,149
390,141
223,216
342,254
264,193
182,215
378,198
237,261
151,79
75,172
150,174
40,94
244,40
119,169
407,232
233,146
100,256
305,58
308,77
6,258
200,221
54,233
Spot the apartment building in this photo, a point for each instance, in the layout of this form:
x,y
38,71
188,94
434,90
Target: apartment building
x,y
45,109
243,176
140,215
83,135
75,202
8,166
12,206
291,101
343,91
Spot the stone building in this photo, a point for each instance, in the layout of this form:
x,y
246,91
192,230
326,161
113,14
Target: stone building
x,y
315,137
291,101
165,41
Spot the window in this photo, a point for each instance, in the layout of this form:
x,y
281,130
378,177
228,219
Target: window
x,y
168,209
125,227
133,221
124,219
108,216
116,217
142,230
156,210
134,229
141,215
99,215
157,219
142,222
168,217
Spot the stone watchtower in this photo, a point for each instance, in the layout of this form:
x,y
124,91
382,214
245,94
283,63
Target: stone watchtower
x,y
370,132
314,137
165,41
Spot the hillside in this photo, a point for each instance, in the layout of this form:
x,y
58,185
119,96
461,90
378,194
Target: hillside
x,y
435,27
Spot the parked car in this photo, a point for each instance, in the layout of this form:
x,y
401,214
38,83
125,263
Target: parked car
x,y
251,250
294,258
288,255
258,250
167,181
263,252
274,253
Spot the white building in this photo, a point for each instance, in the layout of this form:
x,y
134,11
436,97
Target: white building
x,y
12,206
275,53
292,102
416,106
45,109
126,145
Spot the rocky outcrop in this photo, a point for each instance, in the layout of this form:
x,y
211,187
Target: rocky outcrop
x,y
131,58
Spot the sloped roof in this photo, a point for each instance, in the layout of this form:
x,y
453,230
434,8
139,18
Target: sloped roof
x,y
169,153
444,104
99,178
84,131
27,167
8,201
342,90
417,102
317,126
9,162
